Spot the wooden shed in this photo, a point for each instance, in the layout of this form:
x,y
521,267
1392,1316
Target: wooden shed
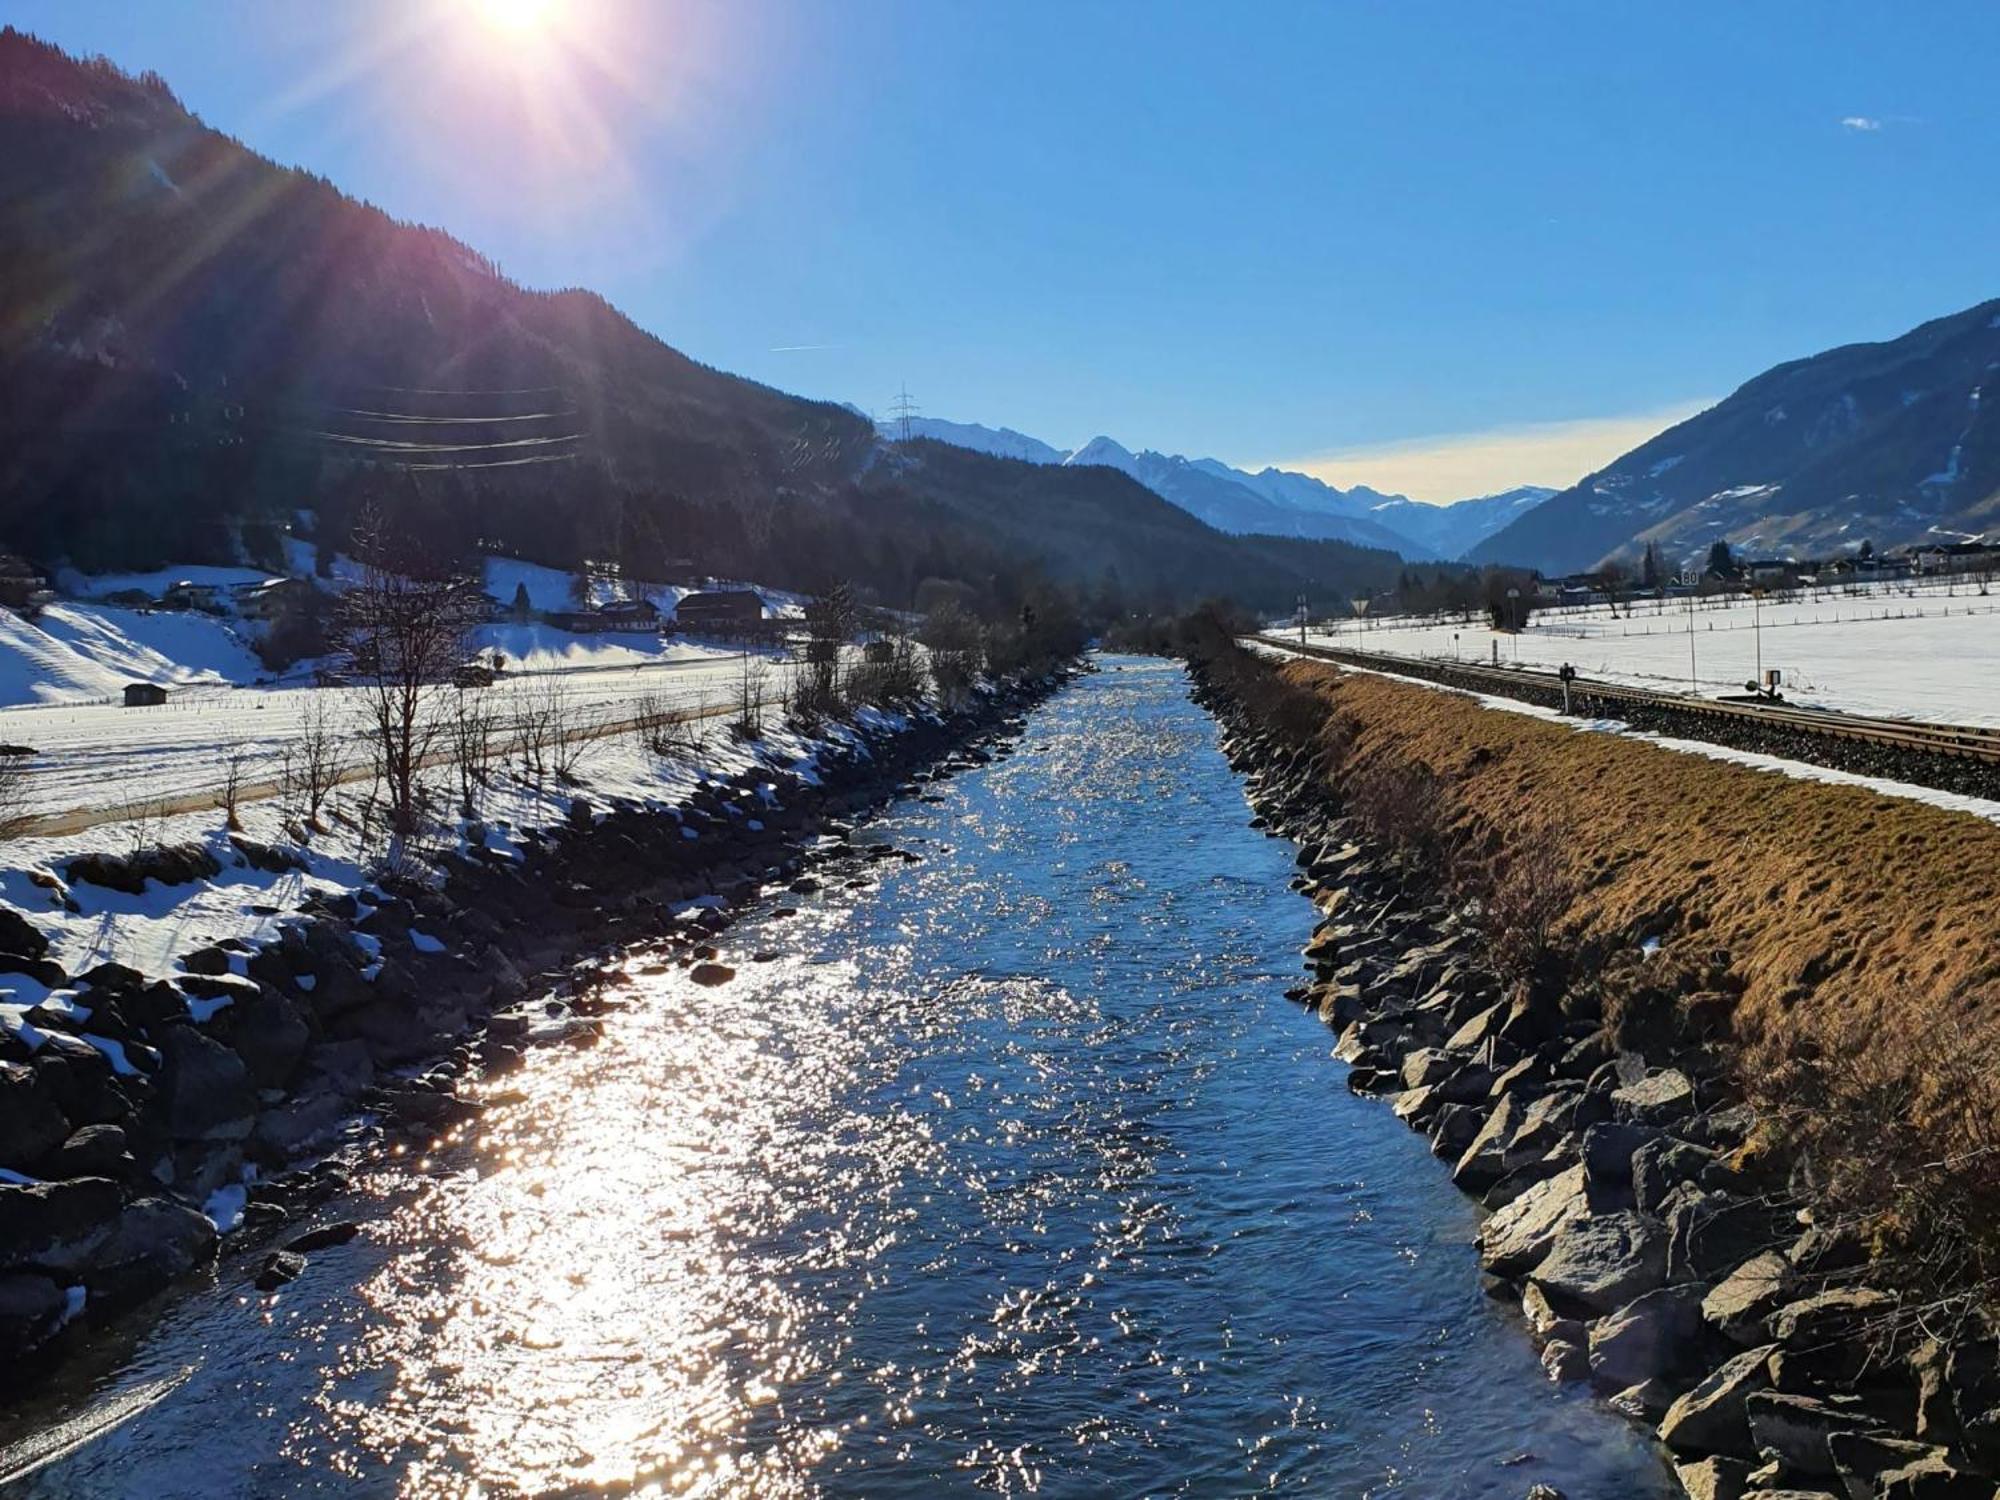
x,y
144,695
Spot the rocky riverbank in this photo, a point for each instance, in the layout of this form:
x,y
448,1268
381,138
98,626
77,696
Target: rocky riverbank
x,y
138,1118
1658,1249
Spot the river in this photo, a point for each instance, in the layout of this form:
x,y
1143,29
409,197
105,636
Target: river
x,y
1014,1173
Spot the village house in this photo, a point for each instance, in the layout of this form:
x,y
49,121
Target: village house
x,y
720,612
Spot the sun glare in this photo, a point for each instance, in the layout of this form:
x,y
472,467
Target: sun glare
x,y
516,17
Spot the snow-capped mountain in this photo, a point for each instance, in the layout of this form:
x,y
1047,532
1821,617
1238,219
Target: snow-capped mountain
x,y
1273,502
1895,443
1001,442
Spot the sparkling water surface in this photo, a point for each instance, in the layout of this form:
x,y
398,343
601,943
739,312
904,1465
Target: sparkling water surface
x,y
1014,1174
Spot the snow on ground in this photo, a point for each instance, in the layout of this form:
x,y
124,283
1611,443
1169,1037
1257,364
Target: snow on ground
x,y
1914,651
79,653
106,756
98,585
151,930
543,648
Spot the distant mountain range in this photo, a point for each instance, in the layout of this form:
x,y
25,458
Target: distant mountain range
x,y
1271,502
201,350
1895,443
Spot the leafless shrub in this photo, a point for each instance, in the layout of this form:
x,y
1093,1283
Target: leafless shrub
x,y
1522,893
568,734
752,685
236,767
140,816
957,646
1897,1133
14,787
530,728
891,674
316,760
1400,805
472,732
405,626
668,733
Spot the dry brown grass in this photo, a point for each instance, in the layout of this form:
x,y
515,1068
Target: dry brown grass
x,y
1838,910
1843,946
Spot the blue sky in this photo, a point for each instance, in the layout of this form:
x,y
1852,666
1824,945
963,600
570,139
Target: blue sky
x,y
1440,247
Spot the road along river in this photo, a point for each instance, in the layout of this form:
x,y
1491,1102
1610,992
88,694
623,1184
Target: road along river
x,y
1012,1172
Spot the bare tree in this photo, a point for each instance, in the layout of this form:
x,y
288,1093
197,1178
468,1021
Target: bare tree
x,y
473,730
752,686
318,760
957,647
829,622
229,795
405,627
551,733
669,733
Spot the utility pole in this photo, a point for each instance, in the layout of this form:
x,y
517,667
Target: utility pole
x,y
901,410
1302,619
1757,630
1694,684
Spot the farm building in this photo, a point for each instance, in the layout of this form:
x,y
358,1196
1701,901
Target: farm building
x,y
720,610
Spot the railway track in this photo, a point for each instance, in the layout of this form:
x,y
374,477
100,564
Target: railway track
x,y
1954,757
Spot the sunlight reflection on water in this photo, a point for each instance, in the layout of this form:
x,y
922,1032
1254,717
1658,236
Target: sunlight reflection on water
x,y
1016,1174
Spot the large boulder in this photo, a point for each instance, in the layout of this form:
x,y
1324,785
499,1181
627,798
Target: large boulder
x,y
1714,1478
55,1226
93,1151
1831,1318
1515,1240
1712,1418
1898,1469
267,1031
204,1087
1608,1149
1603,1262
31,1309
1710,1233
32,1123
154,1241
1797,1428
1485,1160
19,935
1663,1164
1650,1337
1738,1307
1658,1099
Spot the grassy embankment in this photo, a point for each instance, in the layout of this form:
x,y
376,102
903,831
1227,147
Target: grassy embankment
x,y
1834,951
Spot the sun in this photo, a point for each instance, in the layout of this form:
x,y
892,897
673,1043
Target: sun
x,y
517,18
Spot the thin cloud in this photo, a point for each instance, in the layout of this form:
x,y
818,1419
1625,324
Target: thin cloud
x,y
1453,466
800,348
1861,122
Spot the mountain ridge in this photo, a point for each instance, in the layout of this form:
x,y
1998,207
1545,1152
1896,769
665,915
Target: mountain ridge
x,y
1272,501
188,331
1892,442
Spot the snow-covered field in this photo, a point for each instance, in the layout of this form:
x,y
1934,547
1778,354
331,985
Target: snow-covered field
x,y
63,673
148,931
1915,651
103,756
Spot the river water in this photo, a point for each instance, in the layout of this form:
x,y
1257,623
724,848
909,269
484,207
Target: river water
x,y
1014,1174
